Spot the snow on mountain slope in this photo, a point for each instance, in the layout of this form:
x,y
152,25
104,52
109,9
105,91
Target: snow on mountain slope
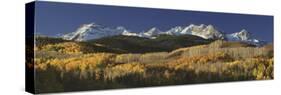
x,y
244,36
151,33
127,33
204,31
95,31
174,31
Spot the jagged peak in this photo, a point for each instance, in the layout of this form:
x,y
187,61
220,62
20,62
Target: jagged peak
x,y
244,31
191,25
90,25
206,31
154,29
210,26
244,34
202,25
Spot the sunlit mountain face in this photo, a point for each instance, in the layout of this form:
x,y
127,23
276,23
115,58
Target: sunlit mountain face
x,y
95,31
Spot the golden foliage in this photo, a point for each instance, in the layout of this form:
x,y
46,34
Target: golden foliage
x,y
67,47
84,64
124,69
187,65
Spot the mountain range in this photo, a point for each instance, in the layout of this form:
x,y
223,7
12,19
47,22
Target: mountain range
x,y
95,31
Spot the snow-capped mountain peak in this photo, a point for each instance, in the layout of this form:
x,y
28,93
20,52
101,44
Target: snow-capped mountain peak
x,y
174,31
243,35
204,31
92,31
152,32
211,32
95,31
128,33
84,28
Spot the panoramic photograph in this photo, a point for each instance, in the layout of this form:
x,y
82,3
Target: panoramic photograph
x,y
80,47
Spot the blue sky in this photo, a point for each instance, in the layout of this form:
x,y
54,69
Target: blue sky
x,y
59,18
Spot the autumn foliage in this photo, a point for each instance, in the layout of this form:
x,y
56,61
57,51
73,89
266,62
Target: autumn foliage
x,y
70,68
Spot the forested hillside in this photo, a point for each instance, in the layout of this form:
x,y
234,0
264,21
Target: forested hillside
x,y
110,63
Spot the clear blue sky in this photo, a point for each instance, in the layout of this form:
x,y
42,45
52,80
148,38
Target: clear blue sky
x,y
60,18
